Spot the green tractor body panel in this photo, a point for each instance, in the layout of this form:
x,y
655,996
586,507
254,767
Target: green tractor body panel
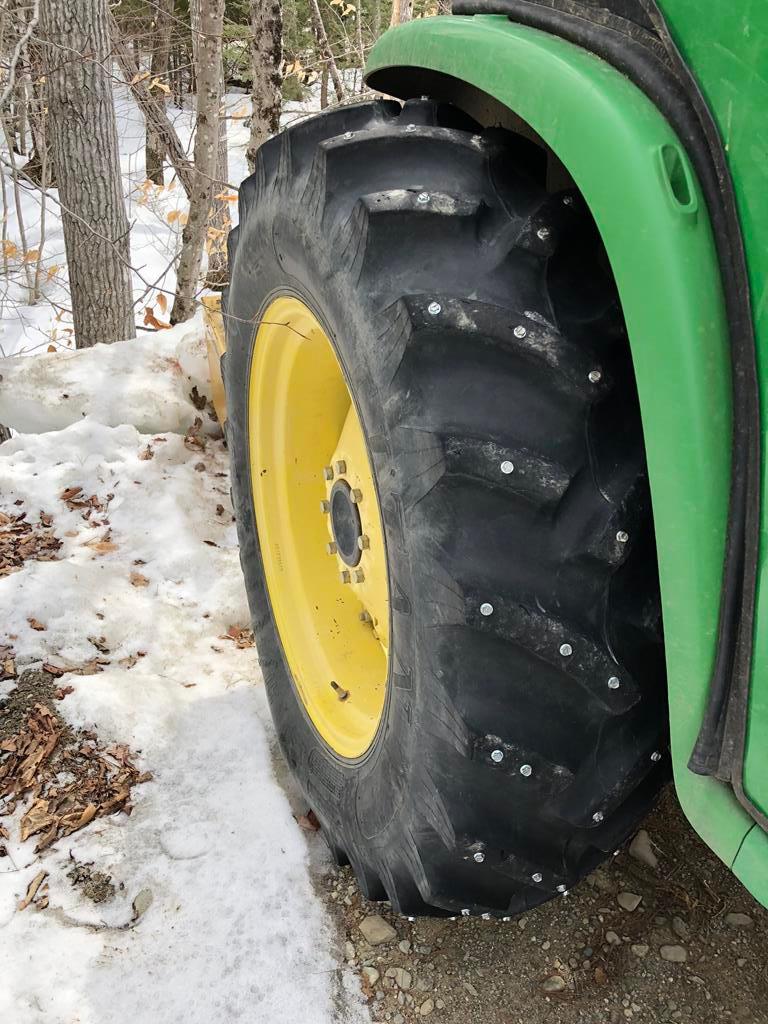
x,y
639,183
732,77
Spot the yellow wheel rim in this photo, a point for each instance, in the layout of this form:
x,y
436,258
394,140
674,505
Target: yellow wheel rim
x,y
319,526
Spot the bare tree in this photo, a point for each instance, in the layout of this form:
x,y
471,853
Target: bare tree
x,y
266,63
159,67
402,10
206,157
325,48
83,134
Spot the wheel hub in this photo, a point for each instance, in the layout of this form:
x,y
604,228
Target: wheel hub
x,y
345,523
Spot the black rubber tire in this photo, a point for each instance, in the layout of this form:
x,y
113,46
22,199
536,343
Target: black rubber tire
x,y
470,310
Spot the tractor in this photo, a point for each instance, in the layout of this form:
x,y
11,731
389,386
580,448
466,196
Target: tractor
x,y
490,358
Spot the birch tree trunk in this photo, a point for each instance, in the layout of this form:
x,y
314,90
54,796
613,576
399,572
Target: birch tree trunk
x,y
83,133
325,48
161,49
206,157
402,10
266,62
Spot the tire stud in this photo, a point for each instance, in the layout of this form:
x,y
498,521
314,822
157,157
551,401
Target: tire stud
x,y
363,542
656,756
526,770
465,911
478,857
410,128
331,548
543,234
562,888
412,919
505,919
356,495
486,608
340,692
566,650
358,576
453,919
519,331
537,877
497,756
344,576
597,817
423,197
595,376
340,467
622,536
486,917
434,308
614,683
567,200
327,472
348,135
507,467
365,616
325,506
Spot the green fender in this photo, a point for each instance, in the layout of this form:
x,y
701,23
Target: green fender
x,y
643,193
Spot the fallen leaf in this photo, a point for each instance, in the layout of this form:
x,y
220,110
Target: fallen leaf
x,y
36,625
146,453
70,492
63,691
308,822
32,888
601,976
138,580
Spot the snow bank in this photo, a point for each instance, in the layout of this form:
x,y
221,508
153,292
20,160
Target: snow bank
x,y
145,382
231,928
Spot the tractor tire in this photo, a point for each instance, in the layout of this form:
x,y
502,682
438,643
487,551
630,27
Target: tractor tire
x,y
523,736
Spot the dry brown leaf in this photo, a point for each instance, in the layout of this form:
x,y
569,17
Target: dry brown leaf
x,y
36,625
308,822
146,454
32,888
138,580
70,492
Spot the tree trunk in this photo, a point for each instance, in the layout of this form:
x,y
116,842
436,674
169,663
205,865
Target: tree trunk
x,y
402,10
206,155
220,222
266,62
324,88
83,133
325,48
444,6
150,108
161,49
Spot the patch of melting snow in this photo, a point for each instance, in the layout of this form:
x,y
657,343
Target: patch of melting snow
x,y
214,916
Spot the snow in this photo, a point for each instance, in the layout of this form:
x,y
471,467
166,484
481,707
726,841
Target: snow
x,y
234,929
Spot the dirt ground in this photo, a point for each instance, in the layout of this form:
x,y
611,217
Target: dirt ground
x,y
582,958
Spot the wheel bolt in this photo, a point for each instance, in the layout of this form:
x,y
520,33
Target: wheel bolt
x,y
356,495
331,548
340,466
359,576
344,576
328,473
363,542
325,506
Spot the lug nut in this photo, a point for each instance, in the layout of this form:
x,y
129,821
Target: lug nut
x,y
328,472
331,548
344,576
340,466
359,576
356,495
363,542
325,506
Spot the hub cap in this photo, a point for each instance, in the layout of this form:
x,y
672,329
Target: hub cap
x,y
319,527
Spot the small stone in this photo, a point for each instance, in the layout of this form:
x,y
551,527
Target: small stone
x,y
641,849
639,949
426,1007
680,928
612,939
440,1004
674,954
554,984
401,977
545,945
371,975
404,946
141,903
349,951
739,921
398,1019
741,962
629,901
471,988
376,930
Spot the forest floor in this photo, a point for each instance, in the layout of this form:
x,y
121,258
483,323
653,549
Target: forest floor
x,y
156,862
